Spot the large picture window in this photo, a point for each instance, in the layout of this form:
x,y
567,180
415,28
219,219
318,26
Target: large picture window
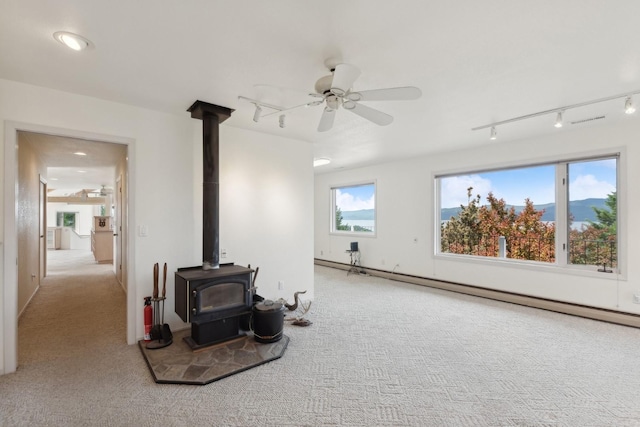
x,y
353,209
562,213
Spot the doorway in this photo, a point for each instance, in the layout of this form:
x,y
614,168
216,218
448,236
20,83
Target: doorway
x,y
13,228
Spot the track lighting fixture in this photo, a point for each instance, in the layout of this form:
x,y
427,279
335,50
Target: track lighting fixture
x,y
494,133
281,120
629,108
256,115
558,120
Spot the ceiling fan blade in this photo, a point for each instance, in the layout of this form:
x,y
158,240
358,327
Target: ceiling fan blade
x,y
407,93
326,121
343,78
371,114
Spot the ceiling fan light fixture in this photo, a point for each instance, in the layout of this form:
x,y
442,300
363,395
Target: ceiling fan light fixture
x,y
629,108
354,96
321,161
348,104
71,40
333,102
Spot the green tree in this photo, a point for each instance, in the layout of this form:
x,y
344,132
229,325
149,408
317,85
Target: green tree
x,y
607,218
596,243
476,230
339,225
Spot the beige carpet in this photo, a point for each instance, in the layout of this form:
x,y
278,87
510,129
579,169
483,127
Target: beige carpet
x,y
379,353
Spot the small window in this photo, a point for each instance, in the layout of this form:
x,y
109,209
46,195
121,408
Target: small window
x,y
354,209
67,219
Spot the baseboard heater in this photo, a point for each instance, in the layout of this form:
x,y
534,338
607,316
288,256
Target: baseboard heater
x,y
617,317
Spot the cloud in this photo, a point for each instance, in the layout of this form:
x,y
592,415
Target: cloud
x,y
347,202
587,187
453,190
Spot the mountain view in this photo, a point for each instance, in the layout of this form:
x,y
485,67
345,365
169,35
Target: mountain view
x,y
581,210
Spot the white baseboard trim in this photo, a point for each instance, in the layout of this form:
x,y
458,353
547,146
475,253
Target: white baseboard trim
x,y
610,316
28,302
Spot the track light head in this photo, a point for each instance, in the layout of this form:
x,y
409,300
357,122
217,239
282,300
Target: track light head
x,y
558,123
494,133
256,115
629,108
281,120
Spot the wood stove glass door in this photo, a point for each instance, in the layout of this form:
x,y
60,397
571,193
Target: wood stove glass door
x,y
219,296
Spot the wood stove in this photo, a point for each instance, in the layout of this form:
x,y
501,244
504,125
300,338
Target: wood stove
x,y
213,301
214,298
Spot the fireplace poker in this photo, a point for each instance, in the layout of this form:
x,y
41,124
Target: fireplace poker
x,y
164,289
161,332
156,329
167,335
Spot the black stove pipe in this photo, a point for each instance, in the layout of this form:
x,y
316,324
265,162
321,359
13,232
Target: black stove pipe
x,y
211,116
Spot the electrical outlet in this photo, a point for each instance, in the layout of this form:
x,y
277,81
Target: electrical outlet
x,y
281,285
223,253
636,298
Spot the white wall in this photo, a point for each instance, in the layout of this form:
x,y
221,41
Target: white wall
x,y
405,212
164,164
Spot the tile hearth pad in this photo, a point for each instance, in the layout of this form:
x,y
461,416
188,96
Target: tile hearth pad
x,y
179,364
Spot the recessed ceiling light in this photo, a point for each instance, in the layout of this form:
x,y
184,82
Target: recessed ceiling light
x,y
82,171
321,161
72,41
80,153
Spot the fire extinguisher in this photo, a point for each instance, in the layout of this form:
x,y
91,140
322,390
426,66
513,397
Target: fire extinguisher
x,y
148,318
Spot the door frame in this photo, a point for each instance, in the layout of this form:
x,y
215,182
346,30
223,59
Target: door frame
x,y
9,291
42,235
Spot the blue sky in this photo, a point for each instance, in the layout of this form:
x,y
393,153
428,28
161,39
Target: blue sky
x,y
355,198
592,179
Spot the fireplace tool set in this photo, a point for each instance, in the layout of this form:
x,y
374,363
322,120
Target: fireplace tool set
x,y
161,335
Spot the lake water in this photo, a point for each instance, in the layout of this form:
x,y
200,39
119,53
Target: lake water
x,y
369,223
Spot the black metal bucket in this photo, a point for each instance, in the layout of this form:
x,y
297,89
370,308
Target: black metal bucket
x,y
268,321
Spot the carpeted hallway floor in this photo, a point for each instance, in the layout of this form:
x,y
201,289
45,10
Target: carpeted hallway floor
x,y
80,309
379,353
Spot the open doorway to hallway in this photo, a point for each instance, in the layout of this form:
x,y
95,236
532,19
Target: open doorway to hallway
x,y
84,211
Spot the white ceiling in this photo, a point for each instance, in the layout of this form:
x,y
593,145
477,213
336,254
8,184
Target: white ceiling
x,y
476,62
69,173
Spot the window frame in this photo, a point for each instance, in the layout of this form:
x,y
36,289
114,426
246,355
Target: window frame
x,y
332,209
60,216
561,263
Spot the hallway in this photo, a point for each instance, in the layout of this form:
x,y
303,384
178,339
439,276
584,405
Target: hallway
x,y
79,309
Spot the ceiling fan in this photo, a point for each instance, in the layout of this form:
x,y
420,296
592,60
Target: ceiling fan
x,y
102,192
336,91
